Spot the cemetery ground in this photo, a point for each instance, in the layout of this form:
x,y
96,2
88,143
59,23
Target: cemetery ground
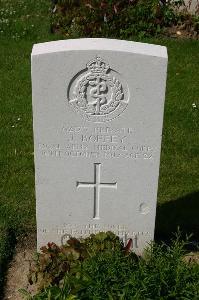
x,y
26,23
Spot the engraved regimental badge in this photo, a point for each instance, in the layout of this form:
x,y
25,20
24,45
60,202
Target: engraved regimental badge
x,y
98,93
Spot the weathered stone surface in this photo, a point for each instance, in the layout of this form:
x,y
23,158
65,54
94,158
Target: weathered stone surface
x,y
98,112
192,6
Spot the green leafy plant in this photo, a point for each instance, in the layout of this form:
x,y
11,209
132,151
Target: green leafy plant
x,y
121,19
100,267
50,293
53,263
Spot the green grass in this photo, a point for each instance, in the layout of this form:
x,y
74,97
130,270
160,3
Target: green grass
x,y
22,23
180,143
27,19
179,181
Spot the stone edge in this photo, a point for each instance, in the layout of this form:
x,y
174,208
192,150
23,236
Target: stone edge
x,y
99,44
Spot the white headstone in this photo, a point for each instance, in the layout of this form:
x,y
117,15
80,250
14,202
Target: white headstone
x,y
98,112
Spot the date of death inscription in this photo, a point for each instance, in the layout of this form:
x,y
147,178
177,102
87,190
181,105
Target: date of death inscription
x,y
84,230
98,142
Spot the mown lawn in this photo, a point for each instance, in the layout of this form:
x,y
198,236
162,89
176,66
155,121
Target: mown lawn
x,y
23,23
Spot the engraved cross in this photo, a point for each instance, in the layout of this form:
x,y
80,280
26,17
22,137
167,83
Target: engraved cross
x,y
97,185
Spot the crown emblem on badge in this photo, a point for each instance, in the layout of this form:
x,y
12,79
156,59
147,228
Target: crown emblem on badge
x,y
98,66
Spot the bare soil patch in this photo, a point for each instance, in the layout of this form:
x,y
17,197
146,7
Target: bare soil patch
x,y
184,31
192,257
19,267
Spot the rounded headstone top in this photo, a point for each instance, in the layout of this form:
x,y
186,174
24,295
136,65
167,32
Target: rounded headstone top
x,y
100,44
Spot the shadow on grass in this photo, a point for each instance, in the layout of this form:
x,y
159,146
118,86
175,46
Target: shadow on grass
x,y
182,213
7,245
